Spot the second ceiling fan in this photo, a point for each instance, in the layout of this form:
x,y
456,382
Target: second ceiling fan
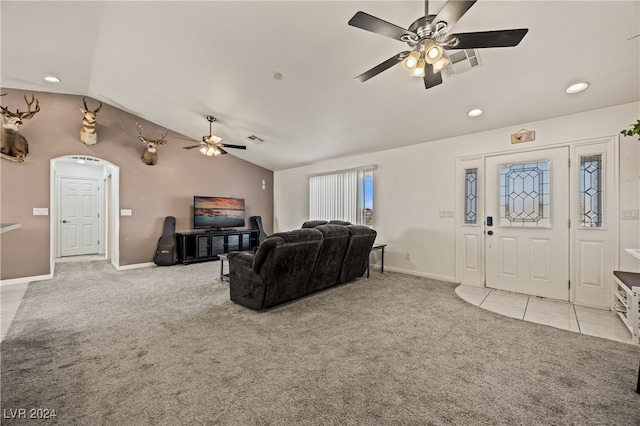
x,y
428,37
211,144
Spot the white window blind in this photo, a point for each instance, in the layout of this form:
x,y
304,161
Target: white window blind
x,y
342,195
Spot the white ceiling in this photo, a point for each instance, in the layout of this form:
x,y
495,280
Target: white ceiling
x,y
173,63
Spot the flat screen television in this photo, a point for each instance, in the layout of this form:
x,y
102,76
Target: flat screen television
x,y
218,212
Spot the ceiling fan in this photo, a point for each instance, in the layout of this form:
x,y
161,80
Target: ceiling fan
x,y
428,37
211,144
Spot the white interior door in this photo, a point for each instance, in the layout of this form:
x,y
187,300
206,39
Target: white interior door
x,y
527,223
79,218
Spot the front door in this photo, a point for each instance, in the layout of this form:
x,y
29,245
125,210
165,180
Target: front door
x,y
527,223
79,218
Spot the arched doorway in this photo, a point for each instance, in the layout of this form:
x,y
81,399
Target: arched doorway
x,y
83,183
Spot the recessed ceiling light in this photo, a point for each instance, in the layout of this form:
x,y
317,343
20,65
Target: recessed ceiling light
x,y
475,112
577,87
52,79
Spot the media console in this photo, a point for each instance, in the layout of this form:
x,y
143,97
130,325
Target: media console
x,y
205,245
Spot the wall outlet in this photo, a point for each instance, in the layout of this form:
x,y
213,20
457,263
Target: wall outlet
x,y
125,212
40,211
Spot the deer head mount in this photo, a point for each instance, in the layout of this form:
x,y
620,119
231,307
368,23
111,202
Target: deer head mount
x,y
88,133
150,153
14,146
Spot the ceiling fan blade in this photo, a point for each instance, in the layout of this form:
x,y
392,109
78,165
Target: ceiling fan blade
x,y
483,39
191,147
226,145
431,78
451,12
222,151
382,67
376,25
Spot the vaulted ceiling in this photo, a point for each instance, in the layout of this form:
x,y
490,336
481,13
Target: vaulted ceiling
x,y
173,63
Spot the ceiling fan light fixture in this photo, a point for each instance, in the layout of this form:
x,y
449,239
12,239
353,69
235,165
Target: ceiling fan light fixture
x,y
440,64
418,71
211,138
409,63
432,53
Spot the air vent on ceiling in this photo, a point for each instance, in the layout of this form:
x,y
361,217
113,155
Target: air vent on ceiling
x,y
255,139
462,61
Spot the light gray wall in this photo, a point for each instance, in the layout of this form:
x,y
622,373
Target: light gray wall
x,y
151,192
413,184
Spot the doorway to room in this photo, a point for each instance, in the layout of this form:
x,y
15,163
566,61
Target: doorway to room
x,y
84,208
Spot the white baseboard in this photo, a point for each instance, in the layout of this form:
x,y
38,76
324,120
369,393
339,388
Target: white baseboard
x,y
133,266
421,274
24,280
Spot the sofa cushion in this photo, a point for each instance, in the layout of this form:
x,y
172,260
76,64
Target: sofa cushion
x,y
334,246
313,223
339,222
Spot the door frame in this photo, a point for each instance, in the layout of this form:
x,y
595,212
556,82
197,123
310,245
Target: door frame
x,y
470,262
110,184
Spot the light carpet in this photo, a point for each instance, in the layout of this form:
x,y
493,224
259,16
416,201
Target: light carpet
x,y
166,346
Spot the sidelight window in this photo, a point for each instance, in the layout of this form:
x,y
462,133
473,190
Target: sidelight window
x,y
591,191
471,196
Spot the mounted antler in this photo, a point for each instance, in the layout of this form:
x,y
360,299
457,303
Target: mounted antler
x,y
150,153
14,146
88,133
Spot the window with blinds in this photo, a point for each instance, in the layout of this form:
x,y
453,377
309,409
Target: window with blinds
x,y
343,195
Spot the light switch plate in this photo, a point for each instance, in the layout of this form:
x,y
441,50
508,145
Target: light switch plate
x,y
40,211
125,212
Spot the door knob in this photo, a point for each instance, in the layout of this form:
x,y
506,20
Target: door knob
x,y
490,232
64,221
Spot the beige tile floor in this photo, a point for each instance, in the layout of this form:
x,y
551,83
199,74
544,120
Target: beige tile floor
x,y
579,319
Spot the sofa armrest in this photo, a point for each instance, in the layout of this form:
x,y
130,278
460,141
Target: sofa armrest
x,y
246,287
242,258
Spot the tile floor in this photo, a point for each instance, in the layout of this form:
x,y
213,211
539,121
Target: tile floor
x,y
579,319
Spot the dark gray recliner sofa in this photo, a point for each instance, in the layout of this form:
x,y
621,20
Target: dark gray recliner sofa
x,y
292,264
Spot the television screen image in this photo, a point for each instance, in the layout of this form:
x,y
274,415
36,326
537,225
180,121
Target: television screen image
x,y
217,212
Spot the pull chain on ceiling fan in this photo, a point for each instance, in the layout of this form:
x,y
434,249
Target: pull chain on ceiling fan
x,y
211,145
428,37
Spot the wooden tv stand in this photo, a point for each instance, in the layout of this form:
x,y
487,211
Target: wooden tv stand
x,y
206,245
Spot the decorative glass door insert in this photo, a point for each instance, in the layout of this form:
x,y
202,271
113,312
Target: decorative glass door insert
x,y
525,195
